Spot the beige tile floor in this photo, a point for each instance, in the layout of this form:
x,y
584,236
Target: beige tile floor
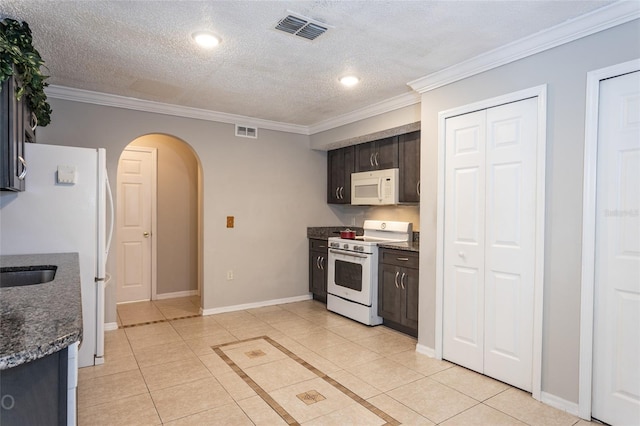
x,y
330,371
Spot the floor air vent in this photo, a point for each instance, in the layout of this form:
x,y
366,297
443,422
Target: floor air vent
x,y
246,132
301,27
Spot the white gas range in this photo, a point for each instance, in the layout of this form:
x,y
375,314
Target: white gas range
x,y
352,283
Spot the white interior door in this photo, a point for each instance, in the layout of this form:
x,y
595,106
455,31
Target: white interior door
x,y
510,242
135,178
463,328
489,241
616,340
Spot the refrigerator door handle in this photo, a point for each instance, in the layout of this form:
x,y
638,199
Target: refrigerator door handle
x,y
111,221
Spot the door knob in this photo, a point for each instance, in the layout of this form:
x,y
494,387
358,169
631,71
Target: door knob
x,y
462,254
146,234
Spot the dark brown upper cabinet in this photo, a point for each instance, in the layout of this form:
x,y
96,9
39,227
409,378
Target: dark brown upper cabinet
x,y
340,163
409,153
377,155
17,126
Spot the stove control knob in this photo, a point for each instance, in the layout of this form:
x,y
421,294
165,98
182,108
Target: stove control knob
x,y
345,246
335,244
358,248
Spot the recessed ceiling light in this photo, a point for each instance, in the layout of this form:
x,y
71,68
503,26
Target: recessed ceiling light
x,y
349,80
206,39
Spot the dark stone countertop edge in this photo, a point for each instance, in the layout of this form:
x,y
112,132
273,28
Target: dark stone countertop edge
x,y
413,246
38,320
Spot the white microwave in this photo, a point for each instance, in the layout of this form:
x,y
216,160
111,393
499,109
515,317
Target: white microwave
x,y
375,188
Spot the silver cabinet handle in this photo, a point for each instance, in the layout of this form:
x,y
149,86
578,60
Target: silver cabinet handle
x,y
402,280
376,158
395,280
418,188
24,168
34,121
342,192
403,259
322,263
318,262
371,159
337,189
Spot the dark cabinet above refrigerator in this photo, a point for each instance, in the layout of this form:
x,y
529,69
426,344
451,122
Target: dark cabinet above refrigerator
x,y
17,127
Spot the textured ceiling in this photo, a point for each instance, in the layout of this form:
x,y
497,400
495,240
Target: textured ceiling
x,y
143,49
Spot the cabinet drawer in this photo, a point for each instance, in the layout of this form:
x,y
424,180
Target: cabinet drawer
x,y
318,245
406,259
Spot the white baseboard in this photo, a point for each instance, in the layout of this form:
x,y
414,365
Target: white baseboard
x,y
175,294
560,403
262,304
110,326
425,350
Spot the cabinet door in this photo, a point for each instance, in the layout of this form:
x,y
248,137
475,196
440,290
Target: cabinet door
x,y
12,138
318,255
409,164
340,165
335,175
377,155
386,155
410,298
389,301
365,153
349,167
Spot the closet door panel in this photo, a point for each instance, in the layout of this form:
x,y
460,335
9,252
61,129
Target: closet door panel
x,y
510,241
463,331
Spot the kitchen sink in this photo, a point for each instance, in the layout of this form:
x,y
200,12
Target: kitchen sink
x,y
15,276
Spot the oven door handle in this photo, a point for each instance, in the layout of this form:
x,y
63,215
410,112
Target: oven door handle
x,y
346,253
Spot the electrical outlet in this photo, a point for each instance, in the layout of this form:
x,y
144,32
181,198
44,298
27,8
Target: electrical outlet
x,y
230,221
229,274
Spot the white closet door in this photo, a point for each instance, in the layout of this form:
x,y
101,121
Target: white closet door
x,y
616,369
510,242
463,326
489,241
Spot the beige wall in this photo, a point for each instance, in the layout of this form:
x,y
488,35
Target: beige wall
x,y
177,213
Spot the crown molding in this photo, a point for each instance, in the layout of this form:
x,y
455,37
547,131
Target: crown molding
x,y
97,98
378,108
599,20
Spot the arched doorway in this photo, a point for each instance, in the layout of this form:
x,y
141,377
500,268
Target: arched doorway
x,y
158,227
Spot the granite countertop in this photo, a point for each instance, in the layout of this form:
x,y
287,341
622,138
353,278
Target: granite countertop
x,y
38,320
407,246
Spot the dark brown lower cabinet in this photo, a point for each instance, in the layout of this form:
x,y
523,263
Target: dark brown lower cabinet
x,y
318,254
35,393
398,289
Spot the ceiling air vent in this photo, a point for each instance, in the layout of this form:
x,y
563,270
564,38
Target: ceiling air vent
x,y
246,132
301,27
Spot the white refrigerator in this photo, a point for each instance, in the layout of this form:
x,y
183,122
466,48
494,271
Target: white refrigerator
x,y
63,209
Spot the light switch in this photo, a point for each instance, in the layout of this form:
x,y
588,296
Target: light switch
x,y
67,174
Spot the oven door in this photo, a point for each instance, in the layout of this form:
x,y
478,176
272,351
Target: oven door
x,y
350,275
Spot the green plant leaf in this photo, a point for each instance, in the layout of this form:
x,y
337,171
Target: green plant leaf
x,y
19,58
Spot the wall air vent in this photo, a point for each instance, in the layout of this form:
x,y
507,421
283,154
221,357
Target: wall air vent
x,y
246,132
301,26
